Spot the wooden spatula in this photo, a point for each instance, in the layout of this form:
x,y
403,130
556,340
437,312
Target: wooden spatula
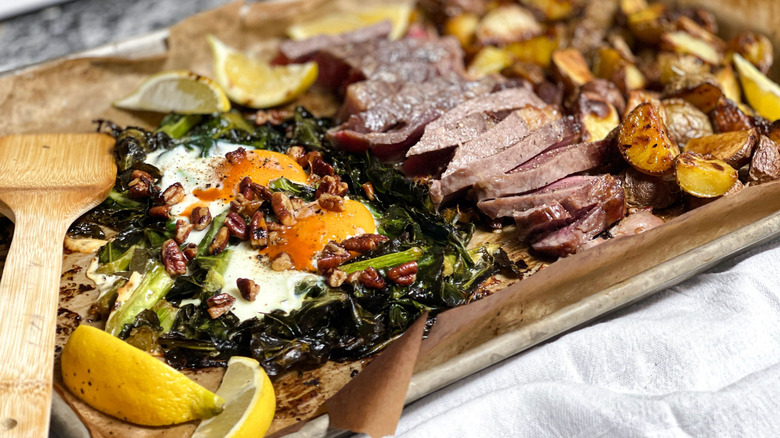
x,y
46,182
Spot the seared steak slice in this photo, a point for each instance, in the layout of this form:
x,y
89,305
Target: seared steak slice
x,y
404,60
566,240
580,187
544,217
398,121
471,118
543,169
510,144
303,50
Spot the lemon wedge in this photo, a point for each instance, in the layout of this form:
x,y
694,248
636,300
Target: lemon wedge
x,y
120,380
761,93
333,24
258,84
250,405
179,91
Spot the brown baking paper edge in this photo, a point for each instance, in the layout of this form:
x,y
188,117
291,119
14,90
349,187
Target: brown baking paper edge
x,y
67,96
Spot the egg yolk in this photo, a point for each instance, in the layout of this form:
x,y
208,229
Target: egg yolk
x,y
309,235
259,165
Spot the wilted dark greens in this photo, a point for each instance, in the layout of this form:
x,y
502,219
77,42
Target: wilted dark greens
x,y
344,323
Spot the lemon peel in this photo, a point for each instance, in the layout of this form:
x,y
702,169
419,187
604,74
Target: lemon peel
x,y
180,91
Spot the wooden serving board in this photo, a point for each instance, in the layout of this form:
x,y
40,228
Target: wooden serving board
x,y
66,96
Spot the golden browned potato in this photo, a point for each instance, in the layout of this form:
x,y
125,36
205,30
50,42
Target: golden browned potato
x,y
649,191
506,24
608,91
539,49
754,47
628,7
488,60
673,66
726,116
554,9
774,131
685,121
609,63
648,24
682,42
462,27
765,164
700,90
529,71
734,148
569,67
638,97
644,143
704,177
597,116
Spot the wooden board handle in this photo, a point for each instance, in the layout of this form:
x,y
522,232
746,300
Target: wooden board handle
x,y
29,292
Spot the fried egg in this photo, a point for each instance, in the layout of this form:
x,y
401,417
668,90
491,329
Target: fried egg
x,y
212,181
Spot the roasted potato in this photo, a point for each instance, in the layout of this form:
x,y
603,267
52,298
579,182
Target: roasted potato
x,y
765,164
597,116
726,116
682,42
773,132
648,24
462,27
628,7
734,148
644,143
506,24
531,72
569,67
554,10
539,49
685,121
638,97
755,48
702,91
488,60
649,191
608,91
704,177
673,66
610,64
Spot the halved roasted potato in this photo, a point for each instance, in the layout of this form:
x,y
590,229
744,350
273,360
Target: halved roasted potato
x,y
703,91
684,121
609,63
462,27
755,48
628,7
571,68
682,42
765,164
638,97
648,24
734,148
506,24
704,177
726,116
643,190
538,49
597,116
673,66
488,60
644,143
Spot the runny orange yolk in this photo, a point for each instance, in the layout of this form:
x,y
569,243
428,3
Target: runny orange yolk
x,y
310,234
259,165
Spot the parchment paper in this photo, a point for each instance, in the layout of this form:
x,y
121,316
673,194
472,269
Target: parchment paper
x,y
67,96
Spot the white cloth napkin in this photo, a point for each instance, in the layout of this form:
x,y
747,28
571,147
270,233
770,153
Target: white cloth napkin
x,y
698,359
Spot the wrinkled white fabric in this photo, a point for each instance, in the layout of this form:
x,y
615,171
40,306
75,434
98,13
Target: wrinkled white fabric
x,y
699,359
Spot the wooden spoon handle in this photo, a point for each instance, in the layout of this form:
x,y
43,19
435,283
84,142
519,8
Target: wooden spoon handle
x,y
29,292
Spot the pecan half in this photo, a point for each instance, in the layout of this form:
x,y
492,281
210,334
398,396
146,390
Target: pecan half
x,y
330,257
190,251
173,259
258,231
183,230
296,153
261,191
220,241
200,217
354,277
331,184
368,189
236,156
331,202
370,278
337,278
236,226
242,205
364,242
173,194
272,116
163,211
283,208
141,185
220,304
282,262
245,188
404,274
248,288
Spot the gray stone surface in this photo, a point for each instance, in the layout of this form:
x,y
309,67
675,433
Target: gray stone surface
x,y
83,24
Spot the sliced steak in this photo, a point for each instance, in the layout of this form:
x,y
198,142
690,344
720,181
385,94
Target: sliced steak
x,y
303,50
543,169
580,187
542,218
471,118
566,240
392,125
404,60
507,145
